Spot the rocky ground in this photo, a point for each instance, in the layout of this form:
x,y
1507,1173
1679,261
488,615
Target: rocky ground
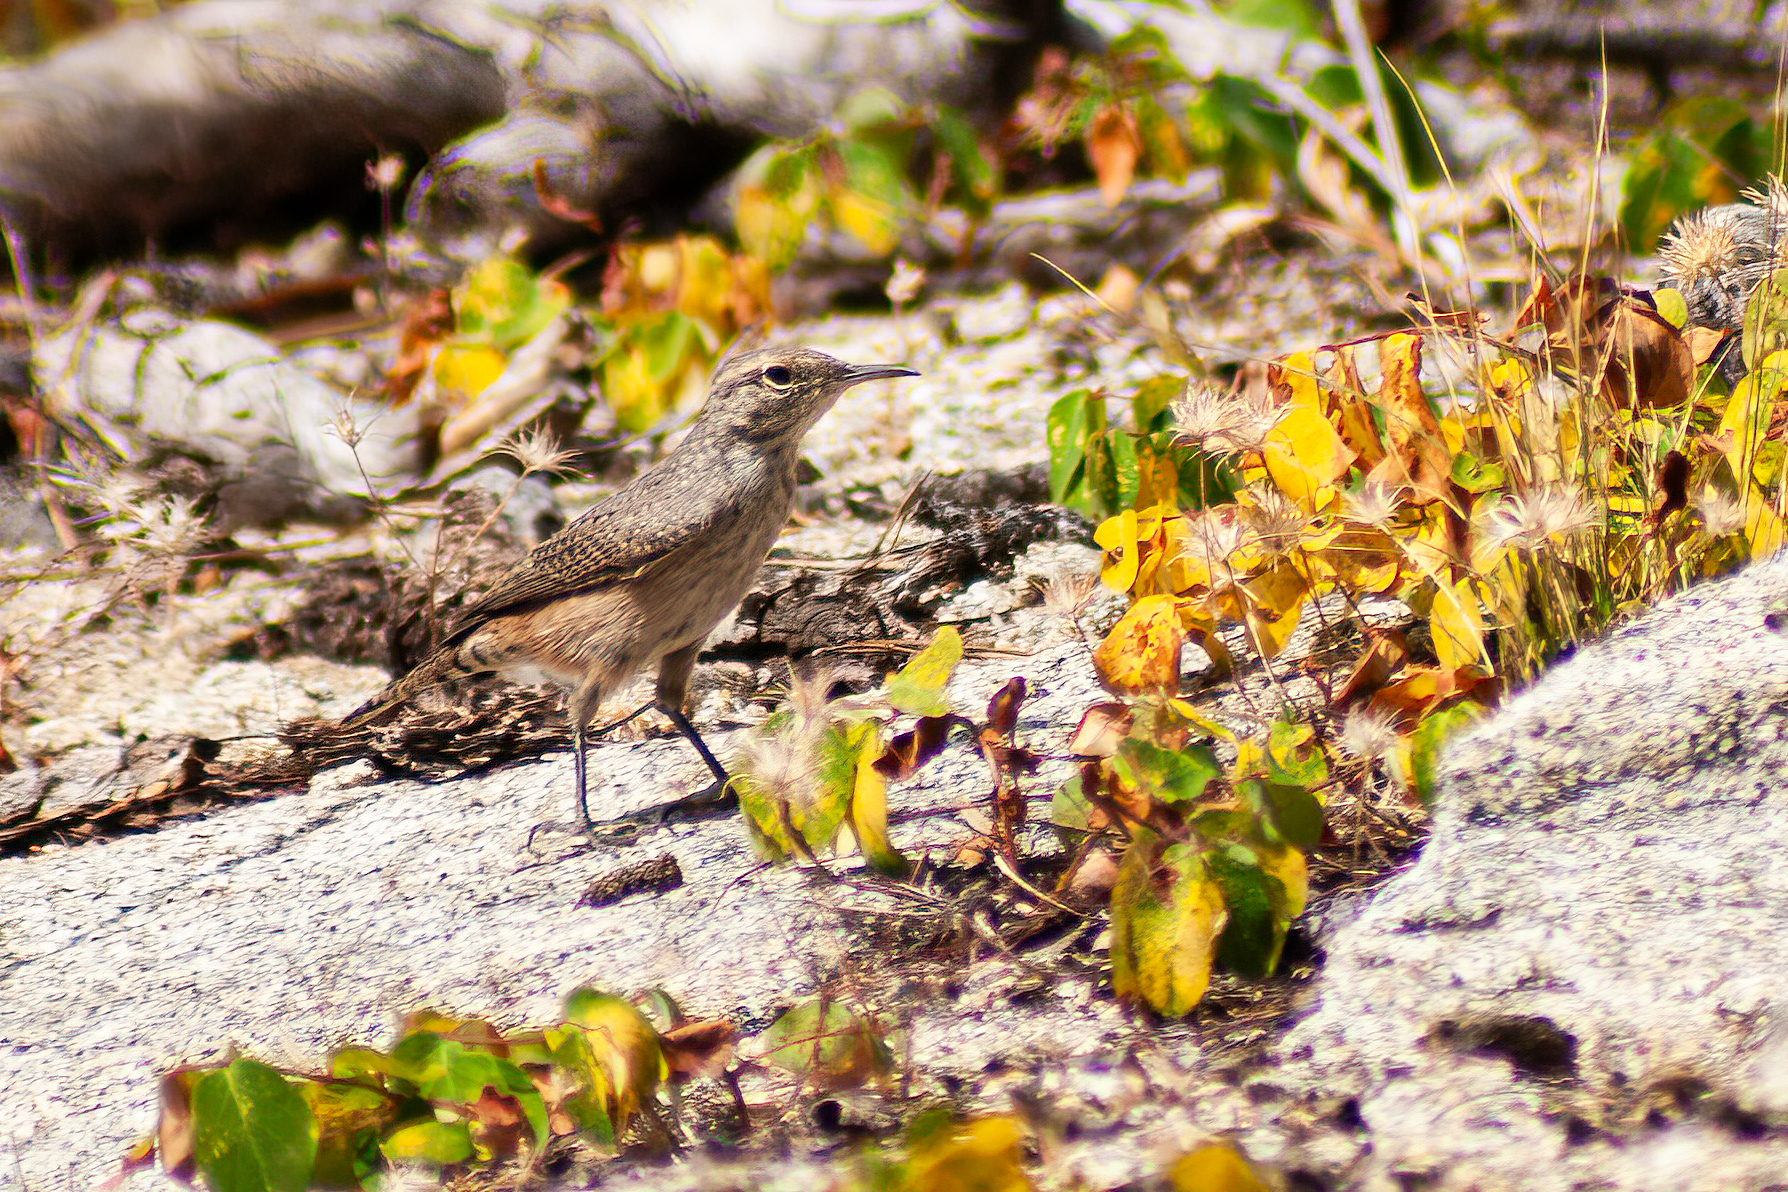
x,y
288,920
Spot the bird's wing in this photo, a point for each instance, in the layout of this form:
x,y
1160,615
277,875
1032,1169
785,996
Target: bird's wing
x,y
608,544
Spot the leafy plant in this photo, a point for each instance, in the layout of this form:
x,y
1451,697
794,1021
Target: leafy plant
x,y
1702,152
864,176
664,311
453,1094
816,773
1584,470
1099,469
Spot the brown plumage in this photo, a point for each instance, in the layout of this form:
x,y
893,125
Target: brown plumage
x,y
647,574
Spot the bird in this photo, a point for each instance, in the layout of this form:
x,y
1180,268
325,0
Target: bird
x,y
646,574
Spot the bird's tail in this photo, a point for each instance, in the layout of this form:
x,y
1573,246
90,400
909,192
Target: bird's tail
x,y
437,668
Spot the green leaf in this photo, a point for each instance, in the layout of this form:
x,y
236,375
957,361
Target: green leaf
x,y
1255,931
1476,475
827,1043
591,1104
968,165
1171,775
874,198
440,1143
1150,405
1426,742
252,1131
870,108
778,197
1069,809
1701,146
1294,813
1672,306
918,689
1166,917
1766,321
361,1064
502,302
1125,468
1293,755
1069,424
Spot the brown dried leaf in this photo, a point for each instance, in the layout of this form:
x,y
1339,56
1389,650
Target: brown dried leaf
x,y
698,1048
912,749
1102,727
1384,656
1002,709
427,323
1418,457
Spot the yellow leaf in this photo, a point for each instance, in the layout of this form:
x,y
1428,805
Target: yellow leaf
x,y
468,369
1289,866
869,809
1214,1168
1274,599
622,1044
1354,420
918,688
630,389
1764,528
1117,537
1142,651
773,228
1166,915
976,1156
1198,720
1304,456
1157,477
1293,380
875,224
1457,623
1250,760
1747,415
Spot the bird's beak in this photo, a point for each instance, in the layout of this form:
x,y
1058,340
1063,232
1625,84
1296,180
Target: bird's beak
x,y
856,374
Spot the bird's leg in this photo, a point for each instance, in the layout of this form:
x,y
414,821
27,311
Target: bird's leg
x,y
673,688
688,730
581,707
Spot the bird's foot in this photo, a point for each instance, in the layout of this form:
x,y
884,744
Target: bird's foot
x,y
569,827
717,797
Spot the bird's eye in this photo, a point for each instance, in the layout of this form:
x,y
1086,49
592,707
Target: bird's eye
x,y
779,376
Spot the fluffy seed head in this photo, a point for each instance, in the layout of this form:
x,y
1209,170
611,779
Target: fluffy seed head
x,y
1374,505
1540,519
1720,514
1699,246
1369,734
1221,423
1717,256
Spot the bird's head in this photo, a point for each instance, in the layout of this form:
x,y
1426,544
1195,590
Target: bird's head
x,y
773,395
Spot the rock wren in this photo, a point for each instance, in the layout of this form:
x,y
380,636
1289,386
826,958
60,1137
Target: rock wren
x,y
647,574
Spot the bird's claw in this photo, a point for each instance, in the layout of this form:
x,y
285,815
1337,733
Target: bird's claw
x,y
624,829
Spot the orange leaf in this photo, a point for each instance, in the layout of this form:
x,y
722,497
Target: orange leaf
x,y
428,321
1418,457
1142,651
1112,145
